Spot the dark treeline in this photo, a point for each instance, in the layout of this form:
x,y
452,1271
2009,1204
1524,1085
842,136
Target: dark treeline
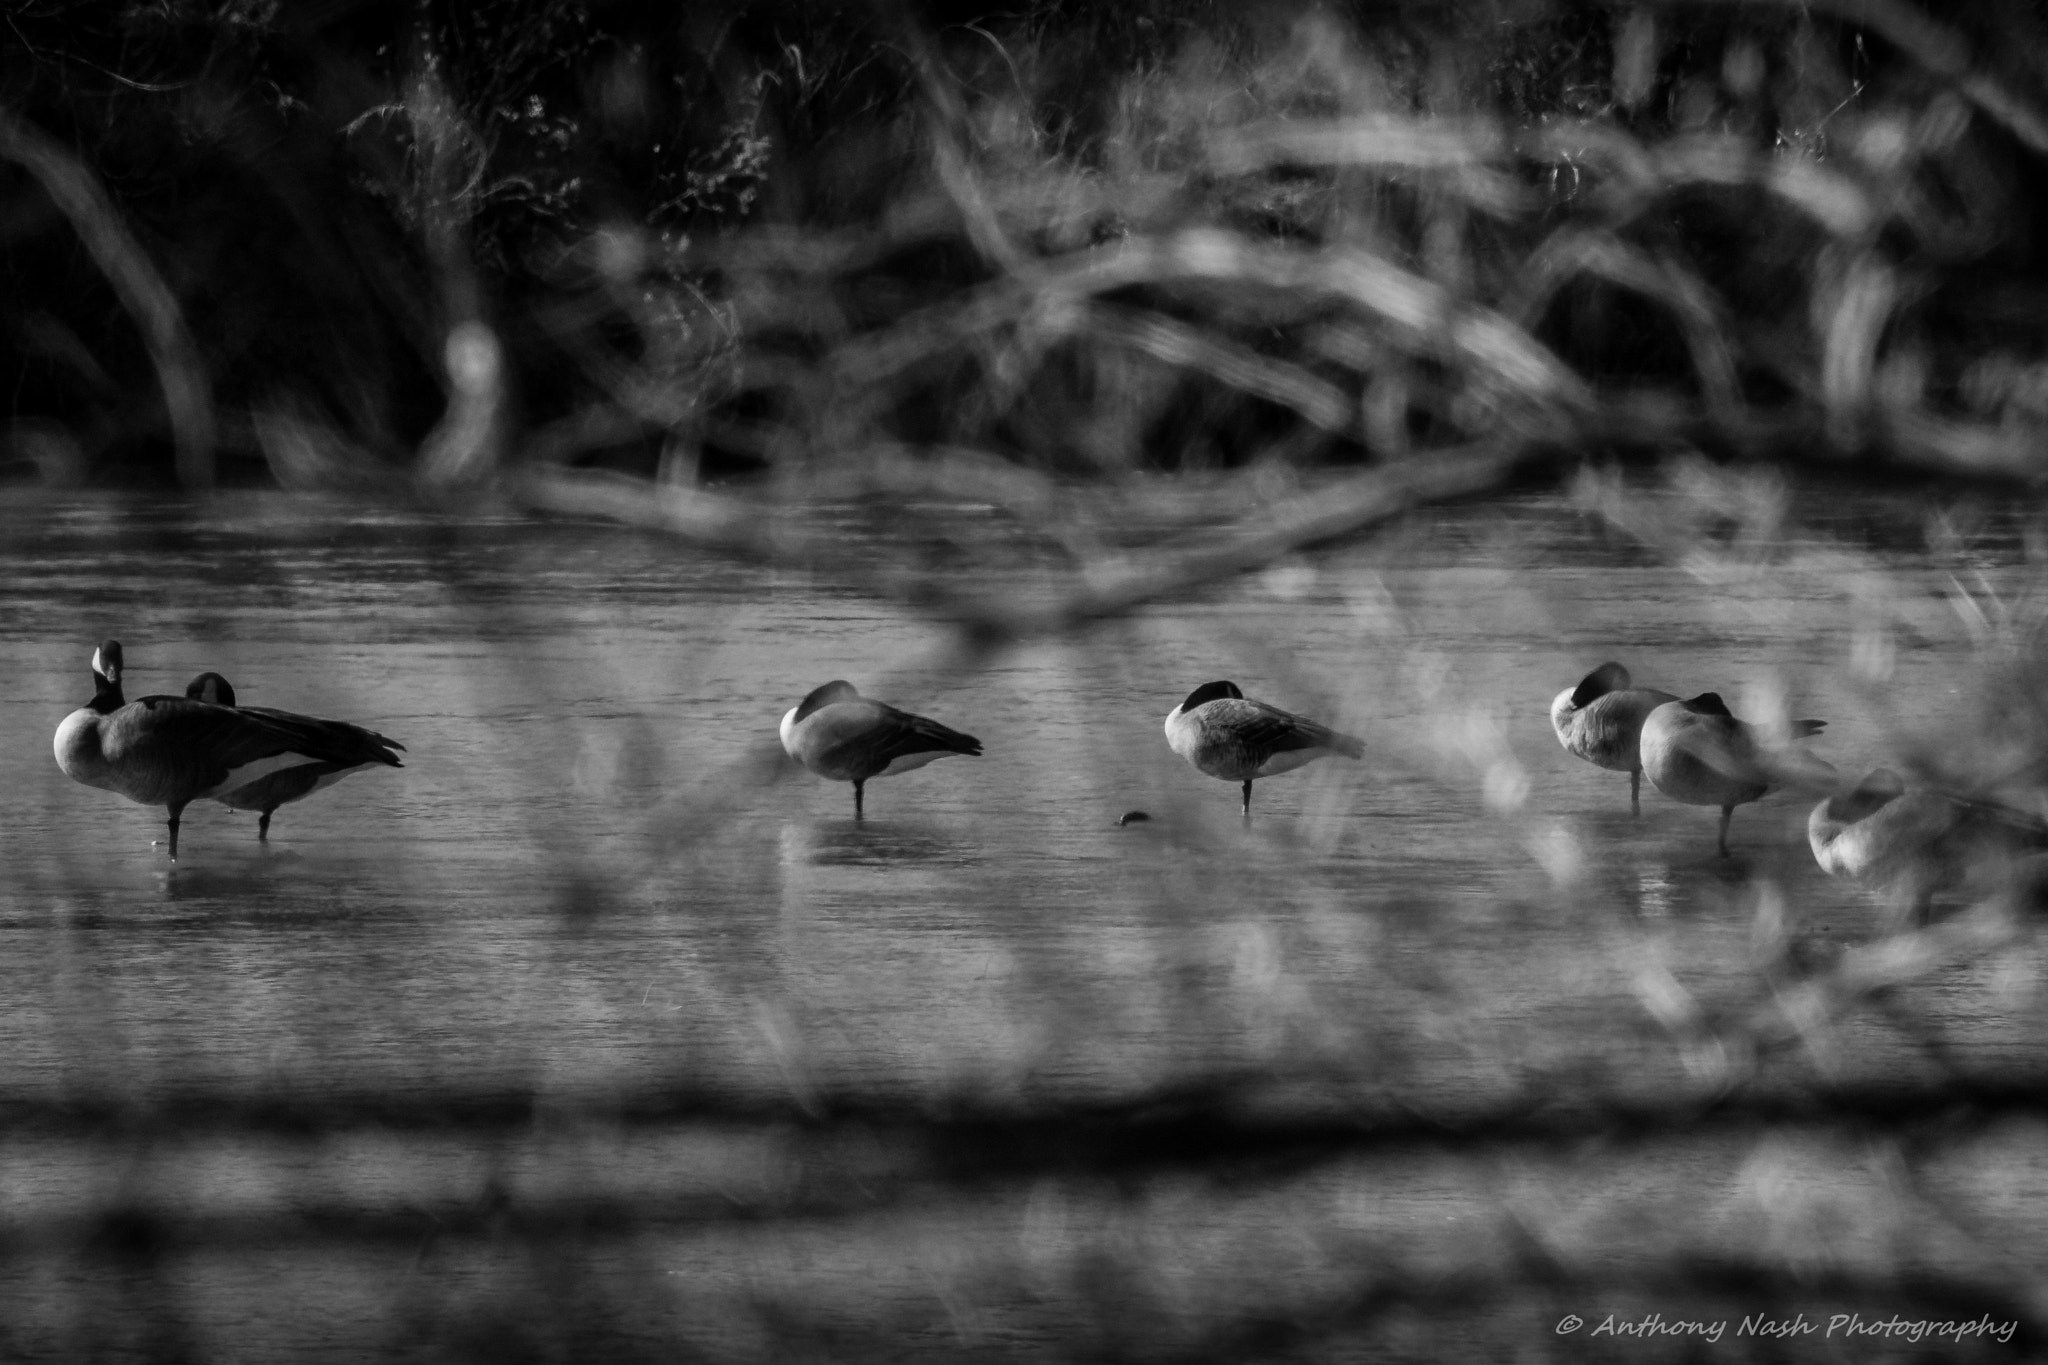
x,y
669,220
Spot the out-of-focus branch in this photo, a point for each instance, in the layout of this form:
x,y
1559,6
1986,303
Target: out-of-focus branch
x,y
1424,314
1329,514
1300,1116
1318,401
1637,172
1803,1012
714,521
1853,317
1385,1281
950,153
1110,588
1571,252
72,187
1940,49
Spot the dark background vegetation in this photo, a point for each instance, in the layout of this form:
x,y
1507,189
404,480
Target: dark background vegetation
x,y
1759,228
689,266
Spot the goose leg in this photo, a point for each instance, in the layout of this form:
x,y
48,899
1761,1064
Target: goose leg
x,y
857,784
263,828
1727,814
1635,791
176,811
1247,800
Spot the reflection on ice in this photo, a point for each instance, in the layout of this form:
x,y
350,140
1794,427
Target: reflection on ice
x,y
595,888
873,843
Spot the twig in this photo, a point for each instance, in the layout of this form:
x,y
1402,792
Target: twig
x,y
75,191
1941,50
732,525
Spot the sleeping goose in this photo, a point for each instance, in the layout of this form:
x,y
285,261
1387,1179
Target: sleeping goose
x,y
171,751
1696,752
1601,720
1911,844
839,734
1228,736
351,748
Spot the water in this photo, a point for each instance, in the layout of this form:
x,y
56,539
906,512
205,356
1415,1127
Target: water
x,y
596,890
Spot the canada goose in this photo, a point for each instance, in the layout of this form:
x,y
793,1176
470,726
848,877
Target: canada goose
x,y
170,751
349,747
1695,752
839,734
1912,844
1228,736
1601,720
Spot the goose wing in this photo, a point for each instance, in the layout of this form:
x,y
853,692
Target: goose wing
x,y
1752,752
1983,818
899,734
1266,730
171,748
1602,728
332,741
1728,747
861,738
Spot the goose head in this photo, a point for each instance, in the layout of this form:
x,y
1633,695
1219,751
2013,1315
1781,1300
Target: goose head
x,y
213,688
1878,789
820,697
1707,704
1608,677
106,677
1208,692
106,662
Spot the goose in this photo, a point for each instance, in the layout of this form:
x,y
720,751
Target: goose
x,y
1234,739
841,735
1696,752
1601,720
349,749
171,751
1911,844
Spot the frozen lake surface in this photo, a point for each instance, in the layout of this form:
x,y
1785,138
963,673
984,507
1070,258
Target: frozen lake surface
x,y
598,954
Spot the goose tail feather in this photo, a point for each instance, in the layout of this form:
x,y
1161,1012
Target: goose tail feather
x,y
330,741
946,738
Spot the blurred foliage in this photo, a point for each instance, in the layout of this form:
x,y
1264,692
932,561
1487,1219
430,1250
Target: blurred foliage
x,y
730,238
687,266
